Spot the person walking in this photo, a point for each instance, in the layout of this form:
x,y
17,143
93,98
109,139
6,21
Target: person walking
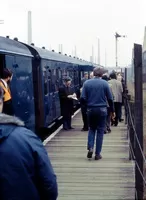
x,y
95,94
25,169
117,90
108,119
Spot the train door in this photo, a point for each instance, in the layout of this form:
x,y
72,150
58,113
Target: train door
x,y
2,63
49,97
53,93
57,85
22,88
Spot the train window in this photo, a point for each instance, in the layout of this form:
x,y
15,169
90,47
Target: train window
x,y
60,77
2,63
50,80
54,80
45,83
82,74
76,78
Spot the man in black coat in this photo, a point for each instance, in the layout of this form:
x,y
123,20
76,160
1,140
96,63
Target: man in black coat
x,y
66,94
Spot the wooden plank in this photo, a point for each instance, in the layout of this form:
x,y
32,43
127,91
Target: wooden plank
x,y
81,179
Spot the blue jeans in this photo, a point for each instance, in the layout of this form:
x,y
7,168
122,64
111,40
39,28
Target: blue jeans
x,y
97,122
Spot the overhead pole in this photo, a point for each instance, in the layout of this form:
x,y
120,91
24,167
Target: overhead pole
x,y
116,43
29,28
98,51
105,58
92,54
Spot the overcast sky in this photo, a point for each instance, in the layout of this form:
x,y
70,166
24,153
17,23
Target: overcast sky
x,y
80,23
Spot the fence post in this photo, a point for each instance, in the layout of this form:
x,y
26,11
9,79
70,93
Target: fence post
x,y
125,95
131,132
138,119
125,77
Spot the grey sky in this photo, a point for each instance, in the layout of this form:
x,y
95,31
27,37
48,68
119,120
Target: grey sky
x,y
80,23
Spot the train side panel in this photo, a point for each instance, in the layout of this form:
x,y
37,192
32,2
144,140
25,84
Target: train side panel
x,y
22,88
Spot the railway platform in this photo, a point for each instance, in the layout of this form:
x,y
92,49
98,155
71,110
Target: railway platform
x,y
111,178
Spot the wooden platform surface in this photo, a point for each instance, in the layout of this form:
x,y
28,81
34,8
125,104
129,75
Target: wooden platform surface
x,y
111,178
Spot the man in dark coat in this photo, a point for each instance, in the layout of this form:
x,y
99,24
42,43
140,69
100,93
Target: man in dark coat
x,y
25,169
66,94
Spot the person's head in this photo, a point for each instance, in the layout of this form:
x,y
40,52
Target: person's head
x,y
86,75
119,77
7,75
1,99
98,72
113,75
105,77
91,75
67,81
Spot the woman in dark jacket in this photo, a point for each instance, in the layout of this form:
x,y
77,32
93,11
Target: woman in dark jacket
x,y
25,169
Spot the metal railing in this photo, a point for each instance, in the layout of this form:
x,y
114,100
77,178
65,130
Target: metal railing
x,y
135,145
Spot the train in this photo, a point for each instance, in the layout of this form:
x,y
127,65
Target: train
x,y
37,76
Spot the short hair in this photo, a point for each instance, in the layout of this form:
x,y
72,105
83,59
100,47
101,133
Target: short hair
x,y
98,71
6,73
66,79
85,73
105,77
113,75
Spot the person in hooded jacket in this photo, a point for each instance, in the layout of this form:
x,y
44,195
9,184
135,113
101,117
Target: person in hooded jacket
x,y
25,169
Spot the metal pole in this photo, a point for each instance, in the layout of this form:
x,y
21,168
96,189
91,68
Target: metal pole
x,y
29,28
125,77
98,51
116,40
92,54
75,51
139,185
105,58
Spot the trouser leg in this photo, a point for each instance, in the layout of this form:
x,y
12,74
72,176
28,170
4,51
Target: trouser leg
x,y
100,134
84,117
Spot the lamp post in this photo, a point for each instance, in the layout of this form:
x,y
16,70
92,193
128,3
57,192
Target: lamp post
x,y
116,40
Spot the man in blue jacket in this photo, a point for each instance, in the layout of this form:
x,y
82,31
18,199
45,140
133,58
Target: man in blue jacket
x,y
95,94
25,169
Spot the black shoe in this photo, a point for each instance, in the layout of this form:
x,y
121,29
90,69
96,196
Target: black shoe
x,y
84,129
65,129
105,132
112,123
121,120
98,157
90,153
71,128
109,130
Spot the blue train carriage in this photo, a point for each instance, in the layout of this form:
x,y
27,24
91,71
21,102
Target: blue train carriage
x,y
49,69
18,59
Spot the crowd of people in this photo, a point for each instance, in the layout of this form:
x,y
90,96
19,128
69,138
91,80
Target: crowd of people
x,y
101,105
